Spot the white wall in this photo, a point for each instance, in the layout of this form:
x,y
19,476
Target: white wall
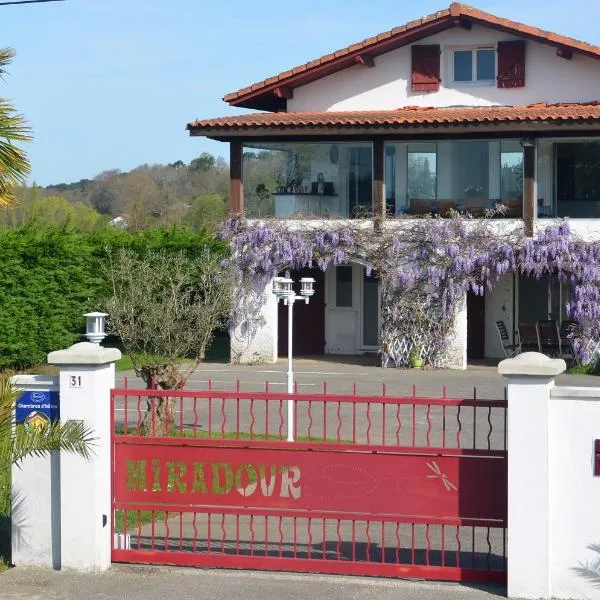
x,y
574,424
457,346
36,516
256,342
498,307
387,85
587,229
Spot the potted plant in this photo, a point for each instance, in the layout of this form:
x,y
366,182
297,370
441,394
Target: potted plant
x,y
414,358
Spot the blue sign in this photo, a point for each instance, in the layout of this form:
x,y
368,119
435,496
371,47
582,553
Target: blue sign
x,y
34,405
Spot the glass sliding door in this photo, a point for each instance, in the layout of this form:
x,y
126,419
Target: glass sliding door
x,y
511,172
578,179
390,179
422,172
542,298
447,176
308,179
360,181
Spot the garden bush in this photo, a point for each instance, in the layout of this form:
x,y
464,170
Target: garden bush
x,y
49,277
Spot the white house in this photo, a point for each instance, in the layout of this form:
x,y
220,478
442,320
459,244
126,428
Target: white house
x,y
460,109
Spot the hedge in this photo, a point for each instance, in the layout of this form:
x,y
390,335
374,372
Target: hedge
x,y
50,277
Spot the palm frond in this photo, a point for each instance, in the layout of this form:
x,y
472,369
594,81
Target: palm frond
x,y
6,57
68,436
14,165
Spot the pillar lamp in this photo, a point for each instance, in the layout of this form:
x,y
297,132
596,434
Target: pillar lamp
x,y
95,324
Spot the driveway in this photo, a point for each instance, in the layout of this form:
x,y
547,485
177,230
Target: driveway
x,y
342,373
157,583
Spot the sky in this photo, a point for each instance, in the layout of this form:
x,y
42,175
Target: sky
x,y
111,84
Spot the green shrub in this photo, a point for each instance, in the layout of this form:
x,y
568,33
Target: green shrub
x,y
592,368
49,277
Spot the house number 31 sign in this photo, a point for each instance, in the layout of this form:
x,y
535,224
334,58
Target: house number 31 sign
x,y
75,381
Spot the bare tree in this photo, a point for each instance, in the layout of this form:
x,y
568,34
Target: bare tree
x,y
165,306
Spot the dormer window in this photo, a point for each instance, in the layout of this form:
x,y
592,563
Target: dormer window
x,y
474,65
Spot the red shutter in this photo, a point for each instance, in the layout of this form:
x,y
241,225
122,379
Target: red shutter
x,y
511,64
425,68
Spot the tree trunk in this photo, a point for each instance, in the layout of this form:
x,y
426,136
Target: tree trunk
x,y
160,411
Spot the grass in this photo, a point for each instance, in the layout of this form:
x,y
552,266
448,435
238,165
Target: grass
x,y
144,516
592,368
217,351
125,363
43,369
202,434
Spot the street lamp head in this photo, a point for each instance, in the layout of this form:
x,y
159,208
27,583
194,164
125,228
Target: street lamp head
x,y
95,322
283,287
277,285
307,286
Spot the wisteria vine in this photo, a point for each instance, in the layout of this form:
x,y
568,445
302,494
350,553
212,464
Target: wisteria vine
x,y
425,266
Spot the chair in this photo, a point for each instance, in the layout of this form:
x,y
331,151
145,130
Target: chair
x,y
528,335
549,338
510,350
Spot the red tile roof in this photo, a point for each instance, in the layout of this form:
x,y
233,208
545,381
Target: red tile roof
x,y
262,95
400,118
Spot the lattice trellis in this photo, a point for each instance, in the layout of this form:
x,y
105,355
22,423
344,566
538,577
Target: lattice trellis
x,y
397,351
412,328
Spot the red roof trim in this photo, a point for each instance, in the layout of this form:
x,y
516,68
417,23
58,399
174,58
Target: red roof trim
x,y
407,116
259,94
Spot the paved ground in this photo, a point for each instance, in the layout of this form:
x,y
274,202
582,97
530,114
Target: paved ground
x,y
152,583
342,373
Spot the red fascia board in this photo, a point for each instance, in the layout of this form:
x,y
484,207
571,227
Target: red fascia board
x,y
544,37
343,62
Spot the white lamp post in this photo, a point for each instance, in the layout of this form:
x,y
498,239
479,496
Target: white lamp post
x,y
95,322
283,288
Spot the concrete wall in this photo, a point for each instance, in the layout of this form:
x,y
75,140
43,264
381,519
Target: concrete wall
x,y
553,494
36,516
574,424
457,346
61,506
255,341
549,78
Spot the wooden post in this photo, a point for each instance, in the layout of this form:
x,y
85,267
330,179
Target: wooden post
x,y
529,199
236,195
378,182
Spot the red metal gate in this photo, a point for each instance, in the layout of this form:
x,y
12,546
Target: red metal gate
x,y
372,485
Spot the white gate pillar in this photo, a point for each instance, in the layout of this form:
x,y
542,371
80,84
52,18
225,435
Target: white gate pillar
x,y
87,374
530,379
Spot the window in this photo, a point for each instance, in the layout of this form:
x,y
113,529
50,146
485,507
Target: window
x,y
474,65
470,166
343,287
511,170
390,178
578,179
422,172
360,181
